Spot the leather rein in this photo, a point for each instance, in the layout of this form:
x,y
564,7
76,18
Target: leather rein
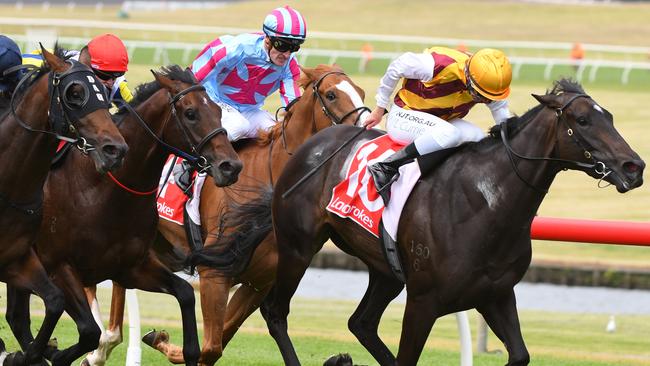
x,y
598,166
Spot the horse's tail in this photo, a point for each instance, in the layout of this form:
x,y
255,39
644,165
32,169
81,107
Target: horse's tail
x,y
242,229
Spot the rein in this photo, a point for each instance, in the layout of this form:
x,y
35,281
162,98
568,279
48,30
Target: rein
x,y
198,162
335,121
598,166
326,111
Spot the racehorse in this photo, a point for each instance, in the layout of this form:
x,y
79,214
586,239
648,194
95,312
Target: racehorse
x,y
60,98
464,233
95,228
330,98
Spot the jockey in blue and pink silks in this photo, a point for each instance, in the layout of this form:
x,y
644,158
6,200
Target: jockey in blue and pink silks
x,y
239,72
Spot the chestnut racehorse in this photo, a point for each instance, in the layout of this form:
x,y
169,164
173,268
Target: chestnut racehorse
x,y
60,98
95,228
330,97
464,233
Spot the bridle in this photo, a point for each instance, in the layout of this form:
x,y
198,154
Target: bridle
x,y
326,111
598,166
335,120
62,110
196,160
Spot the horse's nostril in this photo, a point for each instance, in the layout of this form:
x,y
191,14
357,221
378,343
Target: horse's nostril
x,y
114,151
230,167
631,167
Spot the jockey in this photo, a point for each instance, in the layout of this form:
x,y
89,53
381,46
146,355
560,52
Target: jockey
x,y
10,56
240,72
440,87
107,57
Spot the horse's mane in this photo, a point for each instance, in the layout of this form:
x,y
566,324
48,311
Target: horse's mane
x,y
266,137
514,124
146,90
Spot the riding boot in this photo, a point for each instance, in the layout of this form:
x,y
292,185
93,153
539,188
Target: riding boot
x,y
385,173
427,162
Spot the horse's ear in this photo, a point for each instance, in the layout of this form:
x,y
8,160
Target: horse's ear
x,y
84,56
189,70
311,73
549,100
163,80
55,63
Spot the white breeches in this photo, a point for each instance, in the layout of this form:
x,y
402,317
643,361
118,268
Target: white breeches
x,y
428,132
244,124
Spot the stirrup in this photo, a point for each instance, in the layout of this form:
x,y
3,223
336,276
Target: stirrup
x,y
384,191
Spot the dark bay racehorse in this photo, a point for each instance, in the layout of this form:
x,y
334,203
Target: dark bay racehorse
x,y
330,97
464,234
28,139
95,228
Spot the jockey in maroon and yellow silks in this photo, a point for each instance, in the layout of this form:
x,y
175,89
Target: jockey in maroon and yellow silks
x,y
446,95
439,88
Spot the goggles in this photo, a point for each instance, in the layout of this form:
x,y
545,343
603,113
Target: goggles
x,y
282,45
108,75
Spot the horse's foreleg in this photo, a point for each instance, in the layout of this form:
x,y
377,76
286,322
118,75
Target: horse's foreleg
x,y
112,336
24,276
275,308
78,308
242,304
419,316
365,320
153,276
501,315
214,298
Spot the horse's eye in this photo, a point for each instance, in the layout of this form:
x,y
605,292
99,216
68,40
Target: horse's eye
x,y
582,121
330,96
190,114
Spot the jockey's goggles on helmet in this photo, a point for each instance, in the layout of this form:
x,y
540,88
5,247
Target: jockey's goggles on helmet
x,y
107,75
284,45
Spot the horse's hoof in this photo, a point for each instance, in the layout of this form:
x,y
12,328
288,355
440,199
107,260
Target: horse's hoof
x,y
342,359
14,359
153,338
84,362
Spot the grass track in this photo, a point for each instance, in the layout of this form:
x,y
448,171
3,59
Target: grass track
x,y
319,329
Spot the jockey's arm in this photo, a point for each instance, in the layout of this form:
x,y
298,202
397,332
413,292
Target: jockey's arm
x,y
214,58
417,66
289,89
500,110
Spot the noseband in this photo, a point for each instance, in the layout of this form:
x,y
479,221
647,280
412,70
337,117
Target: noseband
x,y
598,166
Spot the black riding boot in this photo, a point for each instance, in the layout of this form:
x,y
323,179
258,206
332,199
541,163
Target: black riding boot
x,y
387,171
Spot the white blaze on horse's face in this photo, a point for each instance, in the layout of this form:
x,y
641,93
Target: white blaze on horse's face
x,y
348,89
597,107
205,101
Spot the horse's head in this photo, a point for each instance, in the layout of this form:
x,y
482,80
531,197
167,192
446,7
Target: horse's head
x,y
586,134
78,104
198,125
338,100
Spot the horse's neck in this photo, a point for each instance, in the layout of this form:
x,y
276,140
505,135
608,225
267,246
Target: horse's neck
x,y
505,186
26,155
301,124
146,157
